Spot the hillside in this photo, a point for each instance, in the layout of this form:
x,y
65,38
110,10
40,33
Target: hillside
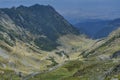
x,y
100,62
109,46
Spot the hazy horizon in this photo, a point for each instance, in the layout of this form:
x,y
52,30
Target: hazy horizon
x,y
75,9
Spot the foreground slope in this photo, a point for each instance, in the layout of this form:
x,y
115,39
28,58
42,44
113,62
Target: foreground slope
x,y
78,70
99,63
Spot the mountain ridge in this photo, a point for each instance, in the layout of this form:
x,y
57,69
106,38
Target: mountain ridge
x,y
41,20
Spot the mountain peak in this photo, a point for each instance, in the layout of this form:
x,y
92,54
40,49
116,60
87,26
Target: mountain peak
x,y
35,7
41,20
38,5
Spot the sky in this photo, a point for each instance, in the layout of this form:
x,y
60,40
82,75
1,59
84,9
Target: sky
x,y
75,10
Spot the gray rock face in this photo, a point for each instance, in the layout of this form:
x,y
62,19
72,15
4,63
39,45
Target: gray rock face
x,y
3,54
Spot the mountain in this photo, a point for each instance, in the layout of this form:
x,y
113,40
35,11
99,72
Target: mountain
x,y
98,28
37,43
31,39
42,21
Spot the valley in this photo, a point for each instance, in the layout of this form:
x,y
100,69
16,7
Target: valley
x,y
37,43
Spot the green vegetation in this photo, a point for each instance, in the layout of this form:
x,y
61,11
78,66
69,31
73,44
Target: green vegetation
x,y
78,70
114,73
6,74
46,44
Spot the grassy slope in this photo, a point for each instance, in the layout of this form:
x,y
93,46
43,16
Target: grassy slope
x,y
78,70
109,46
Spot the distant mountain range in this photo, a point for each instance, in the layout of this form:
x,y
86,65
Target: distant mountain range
x,y
98,28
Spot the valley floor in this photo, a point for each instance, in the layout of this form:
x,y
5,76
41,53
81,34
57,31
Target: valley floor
x,y
80,70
